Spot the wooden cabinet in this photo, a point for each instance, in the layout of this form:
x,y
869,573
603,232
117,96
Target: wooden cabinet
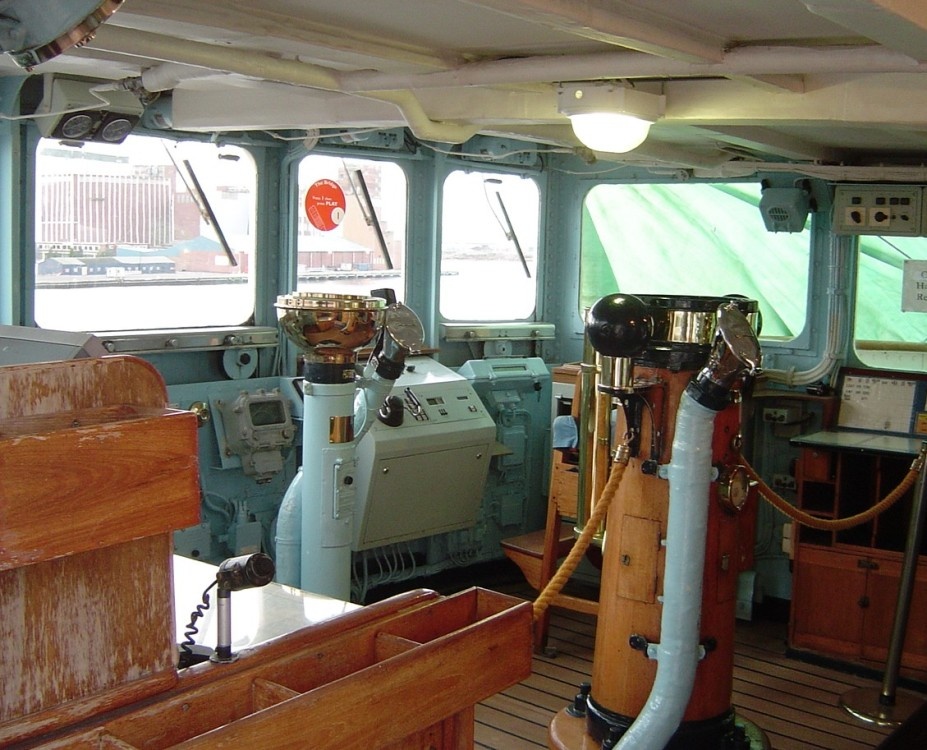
x,y
96,473
845,583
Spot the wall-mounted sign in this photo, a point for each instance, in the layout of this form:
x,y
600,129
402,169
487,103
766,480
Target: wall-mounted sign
x,y
325,205
914,286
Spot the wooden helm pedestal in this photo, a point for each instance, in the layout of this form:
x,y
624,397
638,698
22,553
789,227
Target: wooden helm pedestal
x,y
634,552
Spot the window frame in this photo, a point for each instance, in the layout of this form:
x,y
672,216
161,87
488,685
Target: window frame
x,y
532,256
799,337
897,354
300,211
130,337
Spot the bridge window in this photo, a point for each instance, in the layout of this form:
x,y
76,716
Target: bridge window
x,y
124,238
489,240
890,329
351,234
693,240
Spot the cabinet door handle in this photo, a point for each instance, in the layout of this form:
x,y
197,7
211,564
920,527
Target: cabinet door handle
x,y
863,602
867,564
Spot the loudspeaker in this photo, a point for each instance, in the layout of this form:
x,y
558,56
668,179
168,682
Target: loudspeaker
x,y
785,209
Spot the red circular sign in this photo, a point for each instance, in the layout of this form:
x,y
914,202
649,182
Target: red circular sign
x,y
325,205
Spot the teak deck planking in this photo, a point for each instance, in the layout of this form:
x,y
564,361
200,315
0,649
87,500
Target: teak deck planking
x,y
795,703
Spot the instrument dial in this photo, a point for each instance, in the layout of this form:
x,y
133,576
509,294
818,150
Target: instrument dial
x,y
733,487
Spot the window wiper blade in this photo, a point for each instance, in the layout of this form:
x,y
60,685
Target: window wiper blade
x,y
506,223
199,197
208,214
370,214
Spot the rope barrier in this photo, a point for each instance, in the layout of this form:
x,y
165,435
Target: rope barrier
x,y
556,584
837,524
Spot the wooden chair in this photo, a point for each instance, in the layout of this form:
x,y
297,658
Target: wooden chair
x,y
538,552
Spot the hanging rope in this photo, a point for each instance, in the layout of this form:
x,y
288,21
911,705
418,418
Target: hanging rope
x,y
555,584
837,524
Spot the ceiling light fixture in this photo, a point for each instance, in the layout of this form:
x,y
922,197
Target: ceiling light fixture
x,y
607,116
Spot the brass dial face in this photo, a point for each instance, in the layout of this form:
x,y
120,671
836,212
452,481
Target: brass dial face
x,y
733,487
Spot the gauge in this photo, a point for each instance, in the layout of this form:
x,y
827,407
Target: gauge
x,y
267,413
115,130
733,487
76,126
258,421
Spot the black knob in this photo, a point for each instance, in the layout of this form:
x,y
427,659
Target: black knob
x,y
391,411
619,325
649,467
385,293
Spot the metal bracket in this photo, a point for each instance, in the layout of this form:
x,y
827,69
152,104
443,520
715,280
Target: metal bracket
x,y
663,472
652,650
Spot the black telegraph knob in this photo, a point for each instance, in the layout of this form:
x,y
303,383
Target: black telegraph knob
x,y
619,325
391,411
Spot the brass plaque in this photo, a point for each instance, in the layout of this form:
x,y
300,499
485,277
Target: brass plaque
x,y
340,429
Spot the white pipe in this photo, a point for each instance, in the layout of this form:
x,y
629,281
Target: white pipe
x,y
678,652
287,543
420,123
741,61
245,62
836,325
166,76
268,68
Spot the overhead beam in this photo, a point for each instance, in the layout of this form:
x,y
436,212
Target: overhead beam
x,y
768,141
896,24
891,99
792,83
240,20
613,23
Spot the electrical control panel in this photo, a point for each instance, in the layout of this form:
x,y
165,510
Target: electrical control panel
x,y
879,209
424,474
